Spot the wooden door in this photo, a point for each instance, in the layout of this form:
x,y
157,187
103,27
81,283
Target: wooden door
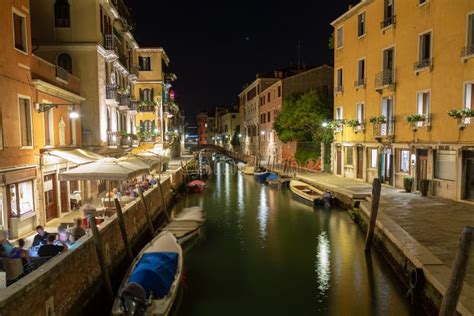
x,y
469,191
339,161
422,165
64,197
388,167
50,197
360,162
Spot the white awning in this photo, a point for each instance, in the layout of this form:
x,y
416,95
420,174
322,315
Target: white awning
x,y
104,169
76,156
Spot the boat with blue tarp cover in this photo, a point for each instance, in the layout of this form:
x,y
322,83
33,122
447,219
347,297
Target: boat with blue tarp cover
x,y
151,284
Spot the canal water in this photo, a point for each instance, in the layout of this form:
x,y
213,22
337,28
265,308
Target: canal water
x,y
265,253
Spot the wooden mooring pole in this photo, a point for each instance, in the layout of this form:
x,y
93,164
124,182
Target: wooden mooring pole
x,y
100,255
147,213
458,273
374,209
123,231
163,200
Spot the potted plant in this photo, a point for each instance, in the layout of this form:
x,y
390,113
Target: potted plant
x,y
378,119
408,184
413,120
424,186
455,113
353,123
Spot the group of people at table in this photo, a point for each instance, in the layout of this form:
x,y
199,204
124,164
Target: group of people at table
x,y
45,245
131,188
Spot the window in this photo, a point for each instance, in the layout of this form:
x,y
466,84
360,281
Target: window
x,y
404,161
65,62
373,155
62,13
360,113
469,95
339,78
349,153
361,24
144,63
19,29
423,105
422,1
360,73
268,117
147,95
1,133
445,165
21,198
340,34
424,53
470,35
49,127
25,122
279,91
268,97
388,13
339,113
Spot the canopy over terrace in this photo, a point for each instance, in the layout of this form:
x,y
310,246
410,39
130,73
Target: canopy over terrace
x,y
141,161
108,169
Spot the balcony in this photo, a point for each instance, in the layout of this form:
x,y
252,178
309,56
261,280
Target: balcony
x,y
147,107
360,83
388,22
53,74
339,89
384,132
123,99
467,51
109,43
384,79
359,128
133,105
62,73
110,92
426,63
112,138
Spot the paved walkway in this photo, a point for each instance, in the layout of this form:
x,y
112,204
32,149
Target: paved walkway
x,y
434,223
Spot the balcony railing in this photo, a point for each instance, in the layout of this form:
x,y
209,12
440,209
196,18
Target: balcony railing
x,y
62,73
361,82
123,99
110,91
147,108
467,51
424,63
339,89
109,43
359,128
384,129
388,21
133,105
385,78
112,138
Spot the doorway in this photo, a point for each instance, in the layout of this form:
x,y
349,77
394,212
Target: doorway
x,y
422,165
50,197
64,196
360,162
387,166
339,161
469,167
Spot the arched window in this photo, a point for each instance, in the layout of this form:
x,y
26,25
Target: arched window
x,y
65,62
62,13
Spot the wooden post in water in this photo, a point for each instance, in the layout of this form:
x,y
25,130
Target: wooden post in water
x,y
101,257
374,209
273,164
163,200
268,162
458,273
147,213
123,231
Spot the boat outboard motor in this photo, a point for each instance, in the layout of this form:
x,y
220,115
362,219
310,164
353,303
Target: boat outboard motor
x,y
134,300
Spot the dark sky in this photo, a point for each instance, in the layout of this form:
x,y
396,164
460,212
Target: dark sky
x,y
215,48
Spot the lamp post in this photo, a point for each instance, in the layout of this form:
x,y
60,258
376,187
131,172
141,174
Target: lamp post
x,y
44,107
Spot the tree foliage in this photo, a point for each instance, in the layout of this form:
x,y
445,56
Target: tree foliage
x,y
302,117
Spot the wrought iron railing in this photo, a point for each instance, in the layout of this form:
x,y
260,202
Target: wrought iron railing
x,y
467,51
392,20
147,108
123,99
384,78
110,91
112,138
424,63
384,129
62,73
133,105
361,82
339,88
109,43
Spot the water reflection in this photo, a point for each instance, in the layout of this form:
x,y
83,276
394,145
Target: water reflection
x,y
263,215
323,263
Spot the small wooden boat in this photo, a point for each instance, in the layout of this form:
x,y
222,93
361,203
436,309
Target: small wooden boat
x,y
196,186
306,192
194,213
241,165
261,176
249,170
151,284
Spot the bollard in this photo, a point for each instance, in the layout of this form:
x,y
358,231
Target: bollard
x,y
458,273
374,209
147,214
123,231
101,257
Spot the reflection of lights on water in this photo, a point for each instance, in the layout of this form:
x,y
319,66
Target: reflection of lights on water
x,y
263,214
227,185
323,264
240,193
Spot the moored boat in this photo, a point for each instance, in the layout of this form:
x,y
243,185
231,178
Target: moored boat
x,y
196,186
261,176
249,170
306,192
151,284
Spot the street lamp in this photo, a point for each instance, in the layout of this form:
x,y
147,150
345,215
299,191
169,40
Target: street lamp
x,y
44,107
262,133
325,124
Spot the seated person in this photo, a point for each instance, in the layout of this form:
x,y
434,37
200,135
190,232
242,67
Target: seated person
x,y
40,238
145,185
77,231
7,250
50,249
63,237
153,180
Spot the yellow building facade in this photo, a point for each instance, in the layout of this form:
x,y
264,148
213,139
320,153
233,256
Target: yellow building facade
x,y
399,68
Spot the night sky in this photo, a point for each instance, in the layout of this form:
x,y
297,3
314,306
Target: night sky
x,y
215,48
